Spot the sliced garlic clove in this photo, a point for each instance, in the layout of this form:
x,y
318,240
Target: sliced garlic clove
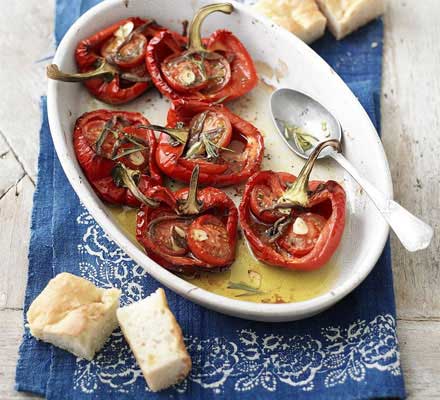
x,y
199,235
300,227
254,278
137,158
124,30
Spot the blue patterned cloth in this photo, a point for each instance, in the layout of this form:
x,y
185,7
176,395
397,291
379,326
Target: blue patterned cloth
x,y
348,352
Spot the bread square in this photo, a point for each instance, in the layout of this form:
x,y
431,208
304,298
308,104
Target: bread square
x,y
73,314
301,17
156,340
345,16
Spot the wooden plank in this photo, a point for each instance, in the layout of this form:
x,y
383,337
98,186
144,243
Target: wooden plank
x,y
411,123
10,339
26,36
10,169
15,212
419,346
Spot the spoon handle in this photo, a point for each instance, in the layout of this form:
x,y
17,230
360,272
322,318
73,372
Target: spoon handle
x,y
412,232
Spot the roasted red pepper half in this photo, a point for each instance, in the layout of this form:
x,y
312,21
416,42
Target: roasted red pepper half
x,y
190,230
112,62
116,152
291,223
227,149
214,69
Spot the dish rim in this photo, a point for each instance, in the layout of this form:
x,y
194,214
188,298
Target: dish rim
x,y
238,308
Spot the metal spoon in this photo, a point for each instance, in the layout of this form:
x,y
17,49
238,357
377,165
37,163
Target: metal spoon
x,y
304,115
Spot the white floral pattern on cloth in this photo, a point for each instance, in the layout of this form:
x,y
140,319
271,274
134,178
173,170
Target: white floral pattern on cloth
x,y
247,361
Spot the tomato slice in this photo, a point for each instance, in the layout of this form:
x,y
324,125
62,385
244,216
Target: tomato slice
x,y
219,71
125,48
169,232
120,142
208,240
265,195
126,152
133,52
190,72
262,198
206,167
301,244
213,126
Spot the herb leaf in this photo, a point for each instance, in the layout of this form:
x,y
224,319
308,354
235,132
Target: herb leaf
x,y
303,140
128,152
243,286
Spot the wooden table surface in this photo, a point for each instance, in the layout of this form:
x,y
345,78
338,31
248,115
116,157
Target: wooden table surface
x,y
411,137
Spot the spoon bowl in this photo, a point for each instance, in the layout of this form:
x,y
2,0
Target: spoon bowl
x,y
307,116
304,123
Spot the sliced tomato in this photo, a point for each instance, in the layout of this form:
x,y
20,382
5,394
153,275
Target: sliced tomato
x,y
206,167
214,125
301,244
169,232
219,72
265,195
208,240
262,198
94,128
191,72
125,48
119,143
133,52
137,160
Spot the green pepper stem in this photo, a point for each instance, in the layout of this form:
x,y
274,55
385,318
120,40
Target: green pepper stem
x,y
297,194
191,205
194,34
105,70
123,176
179,134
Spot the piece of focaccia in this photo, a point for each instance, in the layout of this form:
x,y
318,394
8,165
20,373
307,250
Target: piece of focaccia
x,y
156,340
73,314
301,17
345,16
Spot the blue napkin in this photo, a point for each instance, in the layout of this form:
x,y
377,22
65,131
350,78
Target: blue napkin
x,y
348,352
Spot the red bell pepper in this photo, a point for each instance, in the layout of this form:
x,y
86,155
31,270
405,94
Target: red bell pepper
x,y
116,153
214,69
190,230
291,223
112,62
227,149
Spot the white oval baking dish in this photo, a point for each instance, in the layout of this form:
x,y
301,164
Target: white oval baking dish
x,y
366,231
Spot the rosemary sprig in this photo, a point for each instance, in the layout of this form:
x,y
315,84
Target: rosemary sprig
x,y
201,64
278,228
207,145
303,140
195,149
129,178
103,135
128,152
220,100
250,291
